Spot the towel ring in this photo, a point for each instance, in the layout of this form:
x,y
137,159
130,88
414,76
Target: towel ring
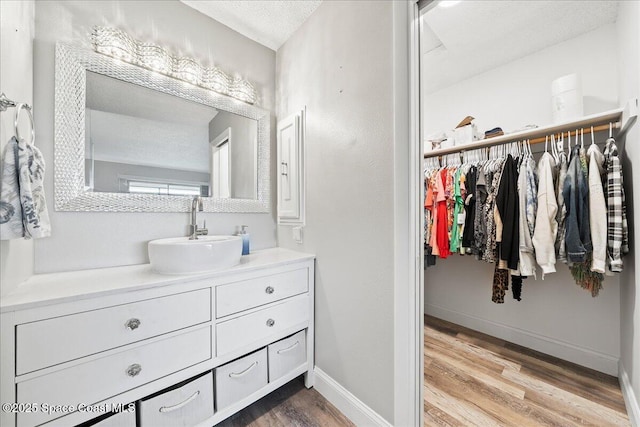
x,y
19,109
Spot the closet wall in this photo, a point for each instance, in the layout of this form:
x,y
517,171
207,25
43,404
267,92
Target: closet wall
x,y
90,240
17,20
629,83
555,315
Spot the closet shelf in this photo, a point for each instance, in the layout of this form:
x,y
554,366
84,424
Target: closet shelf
x,y
622,119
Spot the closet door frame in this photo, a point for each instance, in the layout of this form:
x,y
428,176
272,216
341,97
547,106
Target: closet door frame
x,y
409,219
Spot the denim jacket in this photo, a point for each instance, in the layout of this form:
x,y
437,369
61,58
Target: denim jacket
x,y
576,199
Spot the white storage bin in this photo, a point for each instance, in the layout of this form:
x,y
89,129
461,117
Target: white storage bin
x,y
121,419
567,103
286,355
185,406
240,378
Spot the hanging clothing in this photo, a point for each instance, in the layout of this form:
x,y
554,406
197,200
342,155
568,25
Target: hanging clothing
x,y
458,210
516,286
442,231
546,228
576,200
500,284
23,207
561,251
480,223
617,231
528,202
428,209
597,209
436,185
490,247
508,208
470,208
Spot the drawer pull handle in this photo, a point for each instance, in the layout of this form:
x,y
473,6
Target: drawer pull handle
x,y
271,322
132,324
134,370
284,350
245,372
165,409
269,290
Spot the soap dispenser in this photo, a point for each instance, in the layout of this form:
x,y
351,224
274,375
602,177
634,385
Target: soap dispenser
x,y
245,240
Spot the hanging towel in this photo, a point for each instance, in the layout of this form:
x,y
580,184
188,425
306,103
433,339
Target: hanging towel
x,y
23,208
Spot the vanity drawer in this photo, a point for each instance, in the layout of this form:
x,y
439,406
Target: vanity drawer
x,y
286,355
237,333
239,296
52,341
240,378
102,378
186,405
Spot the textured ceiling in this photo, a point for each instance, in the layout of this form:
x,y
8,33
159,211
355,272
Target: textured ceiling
x,y
475,36
269,22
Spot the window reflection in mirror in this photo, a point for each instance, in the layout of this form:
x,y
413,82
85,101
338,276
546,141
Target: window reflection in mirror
x,y
138,140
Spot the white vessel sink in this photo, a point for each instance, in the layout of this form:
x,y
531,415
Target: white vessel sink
x,y
179,255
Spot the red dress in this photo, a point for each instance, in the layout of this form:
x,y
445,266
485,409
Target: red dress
x,y
443,220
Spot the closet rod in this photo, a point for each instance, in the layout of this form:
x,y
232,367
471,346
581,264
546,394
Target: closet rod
x,y
586,130
622,119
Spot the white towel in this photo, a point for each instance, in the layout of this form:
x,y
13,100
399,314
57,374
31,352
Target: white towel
x,y
23,208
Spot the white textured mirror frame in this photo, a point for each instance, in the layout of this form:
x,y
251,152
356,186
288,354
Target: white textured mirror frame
x,y
72,63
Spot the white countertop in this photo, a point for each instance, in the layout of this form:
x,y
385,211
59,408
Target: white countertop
x,y
44,289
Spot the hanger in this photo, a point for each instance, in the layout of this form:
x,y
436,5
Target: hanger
x,y
610,130
582,138
553,147
593,139
546,142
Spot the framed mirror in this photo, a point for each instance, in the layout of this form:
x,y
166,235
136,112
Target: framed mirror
x,y
131,140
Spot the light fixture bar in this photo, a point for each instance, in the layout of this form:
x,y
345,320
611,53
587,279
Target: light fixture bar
x,y
118,44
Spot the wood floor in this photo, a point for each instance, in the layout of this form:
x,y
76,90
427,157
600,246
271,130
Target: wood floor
x,y
291,405
472,379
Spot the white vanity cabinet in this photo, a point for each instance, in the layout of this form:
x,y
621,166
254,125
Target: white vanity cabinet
x,y
80,344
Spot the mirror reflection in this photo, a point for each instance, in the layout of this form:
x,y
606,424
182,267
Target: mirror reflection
x,y
138,140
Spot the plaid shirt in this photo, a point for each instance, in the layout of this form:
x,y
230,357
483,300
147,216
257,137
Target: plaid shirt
x,y
617,233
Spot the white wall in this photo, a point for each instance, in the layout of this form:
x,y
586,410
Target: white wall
x,y
17,21
555,316
90,240
344,77
519,93
629,52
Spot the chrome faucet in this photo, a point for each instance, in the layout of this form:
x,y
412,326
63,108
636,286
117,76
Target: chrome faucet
x,y
194,231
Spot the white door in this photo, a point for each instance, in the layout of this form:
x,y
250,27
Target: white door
x,y
220,165
289,150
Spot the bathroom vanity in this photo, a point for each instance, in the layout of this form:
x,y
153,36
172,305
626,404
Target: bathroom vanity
x,y
155,349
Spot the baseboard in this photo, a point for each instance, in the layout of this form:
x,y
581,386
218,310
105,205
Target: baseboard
x,y
582,356
630,399
352,407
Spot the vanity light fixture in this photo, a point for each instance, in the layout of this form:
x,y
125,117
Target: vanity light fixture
x,y
118,44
